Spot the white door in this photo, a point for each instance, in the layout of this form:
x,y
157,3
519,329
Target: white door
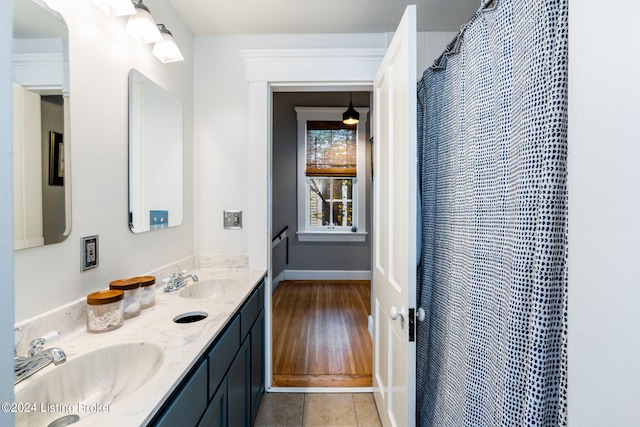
x,y
394,253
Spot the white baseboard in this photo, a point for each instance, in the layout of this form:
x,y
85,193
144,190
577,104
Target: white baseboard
x,y
320,390
326,275
319,275
276,280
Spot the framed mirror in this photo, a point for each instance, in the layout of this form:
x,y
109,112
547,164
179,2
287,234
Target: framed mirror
x,y
42,196
155,156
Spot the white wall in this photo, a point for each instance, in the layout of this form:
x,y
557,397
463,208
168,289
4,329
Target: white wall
x,y
604,214
221,130
101,55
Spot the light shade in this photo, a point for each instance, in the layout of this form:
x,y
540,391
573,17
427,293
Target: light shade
x,y
115,7
167,49
142,27
53,5
351,116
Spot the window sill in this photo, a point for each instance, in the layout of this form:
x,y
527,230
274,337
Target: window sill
x,y
331,236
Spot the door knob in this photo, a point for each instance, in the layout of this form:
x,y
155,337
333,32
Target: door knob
x,y
395,313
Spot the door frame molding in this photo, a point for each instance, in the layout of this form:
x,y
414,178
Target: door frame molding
x,y
288,70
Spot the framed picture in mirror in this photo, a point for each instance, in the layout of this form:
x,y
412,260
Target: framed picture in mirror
x,y
56,159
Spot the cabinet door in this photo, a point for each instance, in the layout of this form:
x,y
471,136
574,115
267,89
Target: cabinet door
x,y
189,403
216,414
257,364
238,388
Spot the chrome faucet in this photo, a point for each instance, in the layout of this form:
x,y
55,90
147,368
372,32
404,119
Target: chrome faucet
x,y
38,357
177,281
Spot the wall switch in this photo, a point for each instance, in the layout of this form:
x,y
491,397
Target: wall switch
x,y
232,220
89,252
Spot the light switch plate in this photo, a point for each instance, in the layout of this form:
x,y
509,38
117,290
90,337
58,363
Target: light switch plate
x,y
232,220
89,252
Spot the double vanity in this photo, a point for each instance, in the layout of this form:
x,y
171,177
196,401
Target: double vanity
x,y
188,360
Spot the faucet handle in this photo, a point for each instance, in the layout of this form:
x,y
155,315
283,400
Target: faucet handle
x,y
181,273
36,345
51,335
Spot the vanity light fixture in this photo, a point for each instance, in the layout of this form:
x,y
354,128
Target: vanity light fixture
x,y
351,116
141,25
167,49
115,7
51,5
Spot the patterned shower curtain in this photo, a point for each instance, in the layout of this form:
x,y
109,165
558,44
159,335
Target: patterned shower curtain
x,y
492,132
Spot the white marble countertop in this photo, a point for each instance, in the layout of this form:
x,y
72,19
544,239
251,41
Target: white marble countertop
x,y
182,345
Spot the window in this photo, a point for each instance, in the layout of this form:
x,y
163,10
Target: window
x,y
331,176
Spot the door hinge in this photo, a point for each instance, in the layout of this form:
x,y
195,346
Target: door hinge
x,y
412,324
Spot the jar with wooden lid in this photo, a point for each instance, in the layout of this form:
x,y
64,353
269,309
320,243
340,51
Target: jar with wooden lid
x,y
147,290
131,288
105,310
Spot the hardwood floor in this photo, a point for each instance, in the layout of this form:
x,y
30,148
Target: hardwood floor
x,y
320,335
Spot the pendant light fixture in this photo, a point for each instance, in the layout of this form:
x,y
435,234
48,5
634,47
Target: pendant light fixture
x,y
167,49
141,25
351,116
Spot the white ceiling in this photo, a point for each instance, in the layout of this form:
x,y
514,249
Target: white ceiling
x,y
318,17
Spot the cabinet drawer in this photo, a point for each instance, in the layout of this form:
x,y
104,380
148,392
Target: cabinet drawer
x,y
189,403
249,312
261,295
222,354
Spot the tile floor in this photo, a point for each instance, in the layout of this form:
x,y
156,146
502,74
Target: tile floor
x,y
317,409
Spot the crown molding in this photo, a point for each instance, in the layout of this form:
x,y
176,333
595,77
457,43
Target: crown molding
x,y
308,65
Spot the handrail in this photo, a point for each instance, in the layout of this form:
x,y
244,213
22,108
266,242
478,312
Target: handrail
x,y
282,235
278,236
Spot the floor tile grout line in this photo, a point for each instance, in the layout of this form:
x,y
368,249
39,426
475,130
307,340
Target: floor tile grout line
x,y
355,410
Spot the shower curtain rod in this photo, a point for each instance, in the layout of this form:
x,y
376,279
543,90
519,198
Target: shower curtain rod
x,y
453,48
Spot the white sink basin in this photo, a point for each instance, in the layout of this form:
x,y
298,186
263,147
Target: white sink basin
x,y
84,384
211,288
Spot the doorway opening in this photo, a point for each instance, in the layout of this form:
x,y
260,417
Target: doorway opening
x,y
322,291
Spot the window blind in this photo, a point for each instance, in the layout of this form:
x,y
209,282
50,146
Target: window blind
x,y
331,149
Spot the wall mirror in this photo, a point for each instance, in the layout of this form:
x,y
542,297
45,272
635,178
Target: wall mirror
x,y
42,195
155,156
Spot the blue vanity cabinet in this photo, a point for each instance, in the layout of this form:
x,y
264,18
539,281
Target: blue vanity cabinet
x,y
225,387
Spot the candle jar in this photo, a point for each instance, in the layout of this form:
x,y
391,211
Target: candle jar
x,y
105,310
147,290
131,288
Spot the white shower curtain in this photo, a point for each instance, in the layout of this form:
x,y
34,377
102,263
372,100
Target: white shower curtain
x,y
493,277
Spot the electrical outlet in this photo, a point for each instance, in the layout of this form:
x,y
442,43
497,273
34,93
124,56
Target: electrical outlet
x,y
89,252
232,220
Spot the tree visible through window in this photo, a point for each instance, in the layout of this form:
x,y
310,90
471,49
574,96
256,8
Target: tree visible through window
x,y
330,202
